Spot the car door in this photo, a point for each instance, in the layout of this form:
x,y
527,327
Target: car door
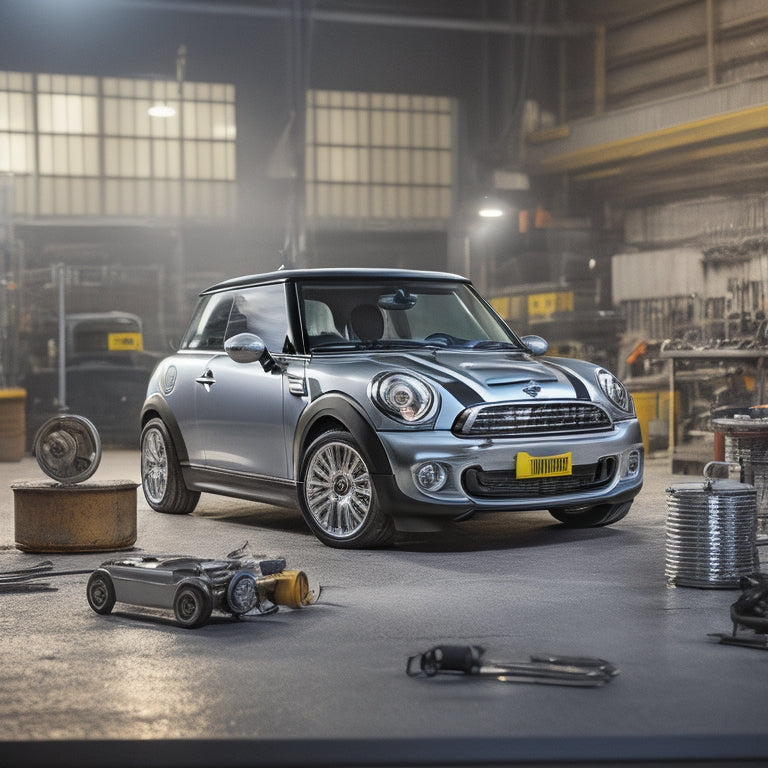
x,y
240,405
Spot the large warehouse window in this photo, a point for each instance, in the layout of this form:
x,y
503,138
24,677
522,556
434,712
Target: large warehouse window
x,y
379,156
90,146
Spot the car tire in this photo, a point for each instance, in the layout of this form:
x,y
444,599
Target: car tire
x,y
592,517
338,497
192,606
161,478
100,592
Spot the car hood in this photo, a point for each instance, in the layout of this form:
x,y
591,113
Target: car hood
x,y
489,376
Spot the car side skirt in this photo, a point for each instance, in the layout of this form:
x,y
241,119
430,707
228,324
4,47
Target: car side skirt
x,y
241,485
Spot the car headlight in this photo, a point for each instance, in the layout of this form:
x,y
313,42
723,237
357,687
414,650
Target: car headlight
x,y
403,397
242,594
614,390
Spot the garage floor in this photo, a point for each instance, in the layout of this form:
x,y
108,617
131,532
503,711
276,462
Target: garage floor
x,y
326,685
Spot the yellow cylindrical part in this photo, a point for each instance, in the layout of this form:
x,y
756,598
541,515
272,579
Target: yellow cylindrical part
x,y
292,589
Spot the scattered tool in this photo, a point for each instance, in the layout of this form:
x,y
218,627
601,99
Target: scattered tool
x,y
580,671
750,612
19,580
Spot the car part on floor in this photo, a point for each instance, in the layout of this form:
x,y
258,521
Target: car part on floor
x,y
193,587
750,612
580,671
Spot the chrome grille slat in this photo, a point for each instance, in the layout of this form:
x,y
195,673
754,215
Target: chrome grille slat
x,y
519,419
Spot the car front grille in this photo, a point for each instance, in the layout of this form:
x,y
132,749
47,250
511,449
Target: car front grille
x,y
526,419
504,484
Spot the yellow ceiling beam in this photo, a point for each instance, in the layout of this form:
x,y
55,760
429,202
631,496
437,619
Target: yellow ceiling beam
x,y
686,134
679,158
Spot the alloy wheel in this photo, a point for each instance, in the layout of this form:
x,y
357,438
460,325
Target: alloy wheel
x,y
338,489
154,466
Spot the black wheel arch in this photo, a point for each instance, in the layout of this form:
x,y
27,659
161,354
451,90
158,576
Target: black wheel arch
x,y
193,581
155,406
339,411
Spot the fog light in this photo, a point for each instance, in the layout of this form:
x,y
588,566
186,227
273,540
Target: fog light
x,y
633,462
431,476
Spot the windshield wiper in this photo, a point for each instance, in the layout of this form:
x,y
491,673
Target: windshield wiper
x,y
355,344
489,344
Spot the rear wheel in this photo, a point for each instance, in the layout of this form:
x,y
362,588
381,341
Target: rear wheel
x,y
192,606
592,517
100,592
161,478
338,498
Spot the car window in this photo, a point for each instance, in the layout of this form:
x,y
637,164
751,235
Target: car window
x,y
261,310
395,311
209,323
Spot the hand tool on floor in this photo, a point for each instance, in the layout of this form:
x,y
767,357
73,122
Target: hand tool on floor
x,y
546,669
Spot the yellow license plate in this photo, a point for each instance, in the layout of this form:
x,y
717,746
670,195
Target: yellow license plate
x,y
129,341
543,466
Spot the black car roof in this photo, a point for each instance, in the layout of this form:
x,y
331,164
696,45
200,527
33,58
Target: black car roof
x,y
342,273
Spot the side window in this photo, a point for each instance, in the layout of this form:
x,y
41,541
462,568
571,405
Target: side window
x,y
262,310
206,331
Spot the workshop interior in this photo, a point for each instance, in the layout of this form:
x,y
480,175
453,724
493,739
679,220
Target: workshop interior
x,y
585,180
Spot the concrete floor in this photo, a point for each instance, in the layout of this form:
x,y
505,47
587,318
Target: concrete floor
x,y
326,685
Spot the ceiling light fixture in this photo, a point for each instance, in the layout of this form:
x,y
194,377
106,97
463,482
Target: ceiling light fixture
x,y
161,110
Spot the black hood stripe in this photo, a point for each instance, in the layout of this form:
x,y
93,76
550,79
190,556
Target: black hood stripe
x,y
468,396
463,393
582,393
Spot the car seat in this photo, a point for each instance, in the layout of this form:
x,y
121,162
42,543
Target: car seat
x,y
319,322
367,322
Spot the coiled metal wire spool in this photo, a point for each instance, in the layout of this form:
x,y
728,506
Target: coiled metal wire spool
x,y
710,533
750,449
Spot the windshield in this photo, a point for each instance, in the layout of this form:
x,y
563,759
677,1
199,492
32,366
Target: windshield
x,y
393,314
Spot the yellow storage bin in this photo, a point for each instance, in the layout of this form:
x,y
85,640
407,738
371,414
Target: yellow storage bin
x,y
12,424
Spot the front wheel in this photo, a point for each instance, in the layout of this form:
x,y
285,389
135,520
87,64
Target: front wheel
x,y
100,592
161,478
192,606
338,498
592,517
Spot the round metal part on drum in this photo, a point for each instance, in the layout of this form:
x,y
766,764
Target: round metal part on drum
x,y
746,443
68,448
710,534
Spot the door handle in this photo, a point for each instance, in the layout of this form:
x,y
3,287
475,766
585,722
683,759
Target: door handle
x,y
207,380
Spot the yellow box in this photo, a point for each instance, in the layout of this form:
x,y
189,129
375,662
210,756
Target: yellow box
x,y
564,301
543,466
540,304
131,342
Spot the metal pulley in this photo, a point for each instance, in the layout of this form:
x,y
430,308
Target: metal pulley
x,y
711,532
68,448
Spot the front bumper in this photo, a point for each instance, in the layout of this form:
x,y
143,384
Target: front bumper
x,y
621,449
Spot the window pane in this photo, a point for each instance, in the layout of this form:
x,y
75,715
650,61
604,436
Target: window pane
x,y
111,157
19,105
91,156
220,165
143,158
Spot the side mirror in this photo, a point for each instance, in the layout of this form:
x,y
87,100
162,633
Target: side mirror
x,y
535,344
249,348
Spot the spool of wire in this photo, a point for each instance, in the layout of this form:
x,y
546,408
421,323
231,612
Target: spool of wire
x,y
710,533
751,451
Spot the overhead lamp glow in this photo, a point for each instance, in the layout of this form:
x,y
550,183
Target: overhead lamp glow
x,y
490,212
161,110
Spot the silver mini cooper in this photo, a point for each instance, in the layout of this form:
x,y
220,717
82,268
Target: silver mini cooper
x,y
381,400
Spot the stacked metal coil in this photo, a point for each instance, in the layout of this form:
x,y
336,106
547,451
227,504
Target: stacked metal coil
x,y
752,453
710,534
